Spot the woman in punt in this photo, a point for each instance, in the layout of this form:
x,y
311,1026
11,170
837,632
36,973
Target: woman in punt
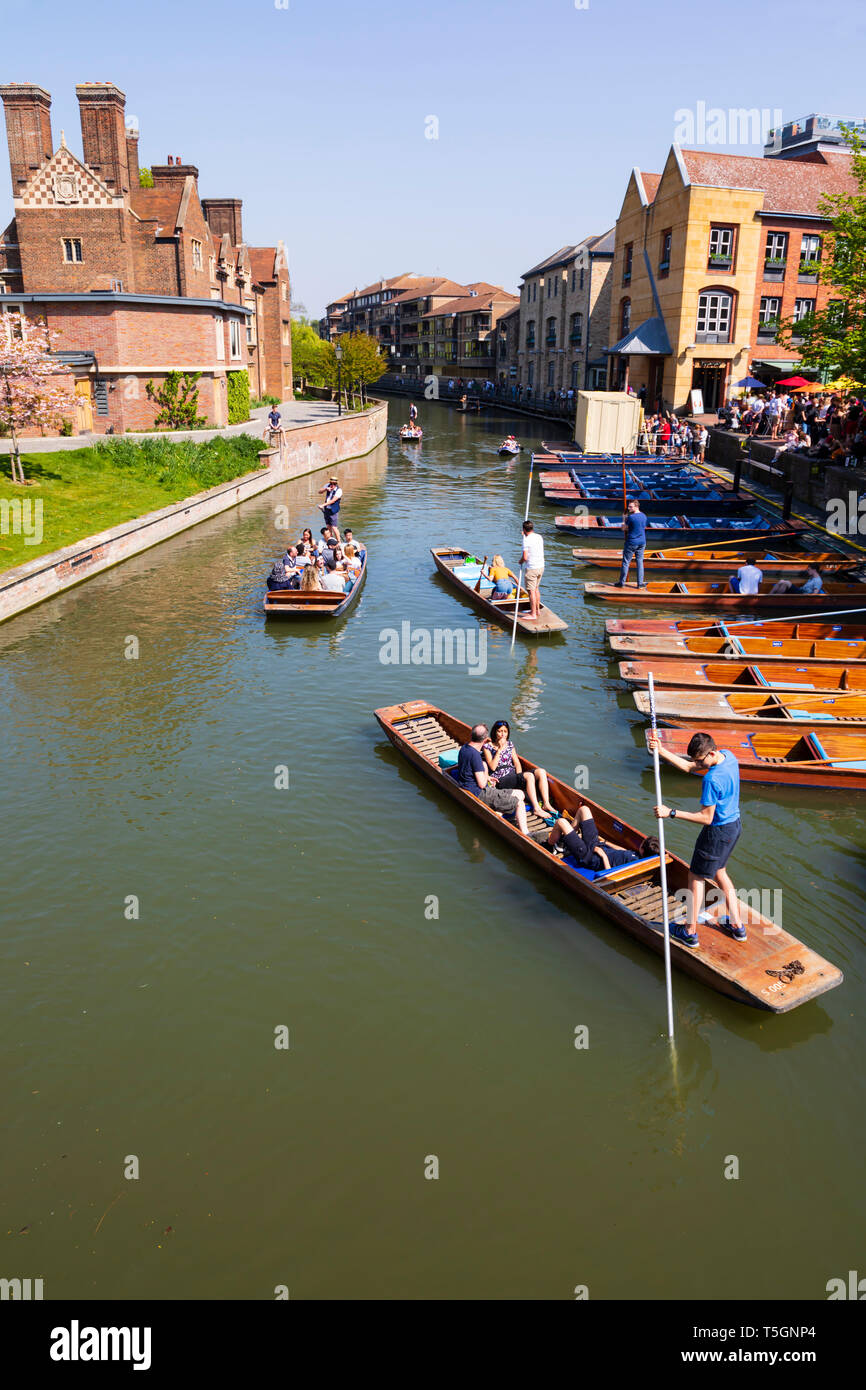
x,y
507,772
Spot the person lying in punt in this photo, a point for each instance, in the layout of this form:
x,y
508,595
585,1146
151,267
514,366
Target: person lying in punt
x,y
579,837
507,772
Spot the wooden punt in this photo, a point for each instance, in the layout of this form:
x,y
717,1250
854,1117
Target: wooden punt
x,y
786,756
739,675
723,562
709,594
635,463
292,603
755,707
681,527
769,651
659,504
756,972
410,436
809,630
449,559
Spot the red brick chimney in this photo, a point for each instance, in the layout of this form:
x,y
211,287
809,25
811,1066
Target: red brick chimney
x,y
224,215
28,129
103,133
132,156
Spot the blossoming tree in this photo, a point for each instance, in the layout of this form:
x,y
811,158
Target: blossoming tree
x,y
31,389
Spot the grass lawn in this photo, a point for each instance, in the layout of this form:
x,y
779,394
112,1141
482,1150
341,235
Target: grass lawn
x,y
87,490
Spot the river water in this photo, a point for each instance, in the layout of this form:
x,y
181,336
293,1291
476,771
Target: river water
x,y
169,907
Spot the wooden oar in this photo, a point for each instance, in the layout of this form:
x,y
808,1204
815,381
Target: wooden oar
x,y
481,576
719,545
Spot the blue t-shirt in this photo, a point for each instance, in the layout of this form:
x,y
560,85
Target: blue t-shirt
x,y
721,788
635,528
469,761
813,585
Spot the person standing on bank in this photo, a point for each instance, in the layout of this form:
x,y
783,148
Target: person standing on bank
x,y
533,558
634,545
331,506
719,819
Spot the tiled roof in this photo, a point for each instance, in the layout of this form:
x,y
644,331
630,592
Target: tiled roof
x,y
158,204
789,185
604,244
650,339
650,183
469,303
564,253
429,285
262,262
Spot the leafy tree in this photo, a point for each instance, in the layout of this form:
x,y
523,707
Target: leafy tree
x,y
31,392
145,178
309,355
238,394
178,401
363,362
834,339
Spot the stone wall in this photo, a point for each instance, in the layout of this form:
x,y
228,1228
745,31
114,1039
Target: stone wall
x,y
308,448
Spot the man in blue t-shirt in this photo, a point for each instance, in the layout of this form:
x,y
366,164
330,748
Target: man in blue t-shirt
x,y
471,775
719,819
635,543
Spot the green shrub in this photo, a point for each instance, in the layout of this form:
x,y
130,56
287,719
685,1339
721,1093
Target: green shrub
x,y
181,462
238,397
65,428
178,401
264,400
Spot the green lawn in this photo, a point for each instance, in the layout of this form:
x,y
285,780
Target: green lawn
x,y
84,491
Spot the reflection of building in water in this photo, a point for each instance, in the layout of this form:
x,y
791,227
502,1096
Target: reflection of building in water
x,y
526,704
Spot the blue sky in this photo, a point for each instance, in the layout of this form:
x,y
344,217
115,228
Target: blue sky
x,y
316,115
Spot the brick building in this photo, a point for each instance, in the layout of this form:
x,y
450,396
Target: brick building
x,y
137,281
709,255
564,320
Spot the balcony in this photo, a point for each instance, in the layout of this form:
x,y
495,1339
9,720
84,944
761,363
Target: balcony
x,y
626,277
720,262
775,267
718,337
575,338
665,266
807,273
530,344
550,340
766,332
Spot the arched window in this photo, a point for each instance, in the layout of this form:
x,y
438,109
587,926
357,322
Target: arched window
x,y
624,317
551,332
715,316
530,334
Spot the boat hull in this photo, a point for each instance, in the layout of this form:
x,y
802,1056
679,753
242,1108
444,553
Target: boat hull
x,y
292,605
763,758
446,558
745,972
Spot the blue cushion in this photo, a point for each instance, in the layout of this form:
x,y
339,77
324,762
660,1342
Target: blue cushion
x,y
601,873
808,714
856,764
449,758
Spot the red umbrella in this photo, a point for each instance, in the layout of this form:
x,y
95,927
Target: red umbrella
x,y
795,381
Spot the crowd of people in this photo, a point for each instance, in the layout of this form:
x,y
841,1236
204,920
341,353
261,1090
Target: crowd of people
x,y
828,426
330,562
667,435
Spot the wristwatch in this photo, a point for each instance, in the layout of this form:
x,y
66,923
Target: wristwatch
x,y
673,812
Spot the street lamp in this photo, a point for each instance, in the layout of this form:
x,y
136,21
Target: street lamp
x,y
338,353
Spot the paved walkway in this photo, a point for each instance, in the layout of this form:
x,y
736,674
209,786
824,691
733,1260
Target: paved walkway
x,y
296,415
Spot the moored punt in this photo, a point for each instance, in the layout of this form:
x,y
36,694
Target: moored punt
x,y
709,594
739,675
725,562
756,527
786,756
719,627
755,707
768,650
756,972
638,463
313,603
451,563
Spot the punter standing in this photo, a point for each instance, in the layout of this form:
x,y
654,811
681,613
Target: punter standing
x,y
533,559
635,543
719,819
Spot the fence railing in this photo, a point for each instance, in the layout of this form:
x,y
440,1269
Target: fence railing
x,y
524,400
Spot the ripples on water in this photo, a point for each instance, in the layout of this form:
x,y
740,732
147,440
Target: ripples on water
x,y
410,1035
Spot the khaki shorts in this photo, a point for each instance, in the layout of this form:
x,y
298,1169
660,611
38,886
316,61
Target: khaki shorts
x,y
532,579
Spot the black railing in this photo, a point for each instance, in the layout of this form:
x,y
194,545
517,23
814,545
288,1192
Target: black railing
x,y
523,400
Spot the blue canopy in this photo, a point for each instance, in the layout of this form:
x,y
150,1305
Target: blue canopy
x,y
750,381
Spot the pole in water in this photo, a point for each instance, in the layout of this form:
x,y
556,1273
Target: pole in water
x,y
664,872
520,577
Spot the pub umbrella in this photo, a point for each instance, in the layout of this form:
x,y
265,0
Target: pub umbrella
x,y
798,381
749,383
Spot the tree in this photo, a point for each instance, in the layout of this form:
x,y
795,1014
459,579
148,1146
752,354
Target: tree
x,y
30,390
145,178
309,358
178,401
363,361
834,340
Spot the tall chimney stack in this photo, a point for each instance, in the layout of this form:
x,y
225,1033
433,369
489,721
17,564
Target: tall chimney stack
x,y
132,155
103,133
28,129
224,215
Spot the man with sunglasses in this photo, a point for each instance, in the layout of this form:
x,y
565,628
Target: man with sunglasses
x,y
719,819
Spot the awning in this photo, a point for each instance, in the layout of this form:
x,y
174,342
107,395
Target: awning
x,y
649,340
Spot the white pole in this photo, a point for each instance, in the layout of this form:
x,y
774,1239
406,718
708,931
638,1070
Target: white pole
x,y
520,577
664,872
815,615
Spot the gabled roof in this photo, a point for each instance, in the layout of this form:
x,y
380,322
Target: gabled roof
x,y
559,257
41,190
263,263
160,205
647,184
429,285
649,340
471,303
788,185
602,245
